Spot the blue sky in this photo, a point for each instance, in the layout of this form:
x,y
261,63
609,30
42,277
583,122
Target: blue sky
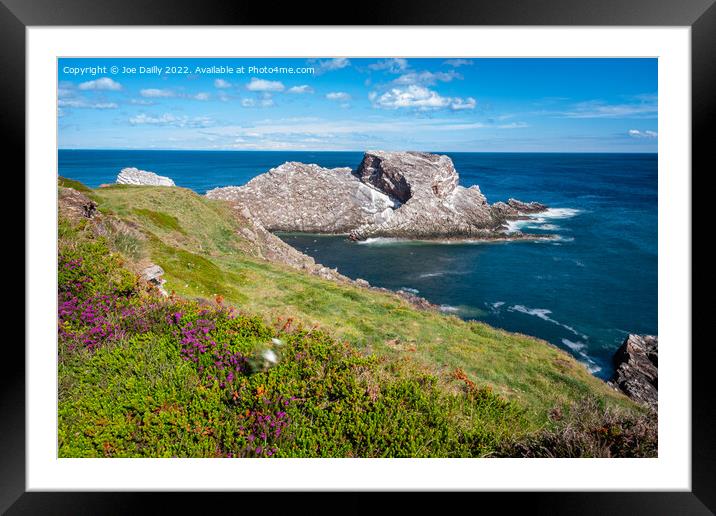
x,y
452,105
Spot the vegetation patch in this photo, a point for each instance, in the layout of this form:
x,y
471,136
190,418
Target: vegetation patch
x,y
159,219
275,362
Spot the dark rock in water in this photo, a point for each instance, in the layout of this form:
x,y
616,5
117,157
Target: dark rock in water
x,y
636,369
391,194
526,207
515,210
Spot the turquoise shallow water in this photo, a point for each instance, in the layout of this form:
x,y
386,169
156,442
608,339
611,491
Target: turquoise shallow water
x,y
584,292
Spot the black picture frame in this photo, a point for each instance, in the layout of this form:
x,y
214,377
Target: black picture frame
x,y
700,15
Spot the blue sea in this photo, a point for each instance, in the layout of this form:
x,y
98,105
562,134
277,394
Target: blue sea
x,y
583,292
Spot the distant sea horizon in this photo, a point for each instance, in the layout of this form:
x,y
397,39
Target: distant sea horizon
x,y
584,292
349,150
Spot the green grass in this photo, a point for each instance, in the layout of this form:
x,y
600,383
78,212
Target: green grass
x,y
517,366
71,183
413,356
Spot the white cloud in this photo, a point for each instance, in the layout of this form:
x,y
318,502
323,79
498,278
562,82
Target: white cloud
x,y
201,96
156,93
64,92
458,104
456,63
304,88
646,107
169,119
330,65
103,83
141,102
420,98
636,133
83,104
395,65
264,85
221,84
248,102
338,95
427,78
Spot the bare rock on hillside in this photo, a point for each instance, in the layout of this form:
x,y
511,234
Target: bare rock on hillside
x,y
153,275
636,369
75,205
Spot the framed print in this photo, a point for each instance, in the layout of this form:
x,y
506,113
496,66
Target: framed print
x,y
432,254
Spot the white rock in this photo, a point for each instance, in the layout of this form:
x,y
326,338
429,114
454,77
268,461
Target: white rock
x,y
134,176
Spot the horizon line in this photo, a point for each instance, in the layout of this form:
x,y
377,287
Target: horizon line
x,y
351,150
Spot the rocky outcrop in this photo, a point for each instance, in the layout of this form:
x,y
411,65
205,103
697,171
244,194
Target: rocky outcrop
x,y
309,198
433,204
391,194
74,205
153,275
514,209
134,176
636,369
263,244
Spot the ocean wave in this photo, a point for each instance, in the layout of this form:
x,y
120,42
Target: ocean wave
x,y
411,290
497,304
559,213
579,348
544,314
437,274
449,309
592,366
381,241
541,220
574,346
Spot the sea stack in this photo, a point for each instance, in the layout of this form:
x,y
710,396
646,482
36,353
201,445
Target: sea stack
x,y
134,176
411,195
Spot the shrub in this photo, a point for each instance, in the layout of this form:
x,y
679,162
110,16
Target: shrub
x,y
590,431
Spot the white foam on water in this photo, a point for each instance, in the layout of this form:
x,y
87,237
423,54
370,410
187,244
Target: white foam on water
x,y
548,227
449,309
380,241
544,314
559,213
574,346
540,220
592,366
411,290
496,305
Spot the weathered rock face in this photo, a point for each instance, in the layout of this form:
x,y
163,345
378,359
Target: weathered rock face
x,y
433,205
309,198
391,194
636,369
153,274
516,209
74,205
134,176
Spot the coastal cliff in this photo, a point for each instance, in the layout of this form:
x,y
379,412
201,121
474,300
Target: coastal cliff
x,y
636,365
346,358
391,194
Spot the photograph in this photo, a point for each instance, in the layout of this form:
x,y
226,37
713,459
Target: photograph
x,y
357,257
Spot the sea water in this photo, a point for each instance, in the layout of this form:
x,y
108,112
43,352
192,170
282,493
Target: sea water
x,y
583,292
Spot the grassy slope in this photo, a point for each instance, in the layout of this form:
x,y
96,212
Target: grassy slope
x,y
195,240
